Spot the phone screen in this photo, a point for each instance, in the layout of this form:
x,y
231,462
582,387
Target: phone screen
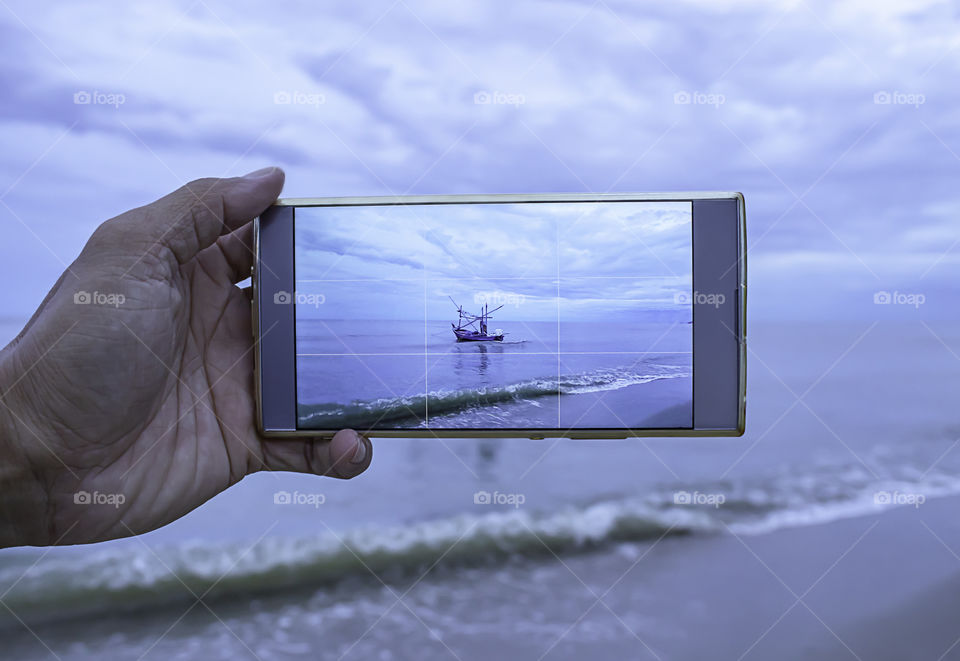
x,y
528,315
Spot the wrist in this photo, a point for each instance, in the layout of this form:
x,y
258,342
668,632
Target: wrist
x,y
22,498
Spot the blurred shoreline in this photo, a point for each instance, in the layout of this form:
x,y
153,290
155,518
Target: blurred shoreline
x,y
808,592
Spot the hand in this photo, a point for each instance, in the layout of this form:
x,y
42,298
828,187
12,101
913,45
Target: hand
x,y
134,378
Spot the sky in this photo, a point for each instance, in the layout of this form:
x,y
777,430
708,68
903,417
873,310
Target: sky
x,y
837,121
613,259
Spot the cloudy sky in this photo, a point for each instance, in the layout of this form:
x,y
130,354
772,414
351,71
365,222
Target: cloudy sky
x,y
837,120
389,262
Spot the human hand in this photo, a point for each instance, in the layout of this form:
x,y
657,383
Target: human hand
x,y
134,378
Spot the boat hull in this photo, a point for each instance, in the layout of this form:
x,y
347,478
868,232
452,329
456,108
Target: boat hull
x,y
470,336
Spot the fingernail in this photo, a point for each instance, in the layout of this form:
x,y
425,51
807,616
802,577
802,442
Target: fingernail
x,y
261,173
360,453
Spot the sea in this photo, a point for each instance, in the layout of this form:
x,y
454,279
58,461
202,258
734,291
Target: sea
x,y
443,546
407,374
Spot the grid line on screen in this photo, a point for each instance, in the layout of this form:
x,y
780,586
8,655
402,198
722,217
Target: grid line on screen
x,y
479,277
426,369
528,353
559,401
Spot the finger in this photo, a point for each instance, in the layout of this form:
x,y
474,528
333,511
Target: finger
x,y
344,456
237,251
192,217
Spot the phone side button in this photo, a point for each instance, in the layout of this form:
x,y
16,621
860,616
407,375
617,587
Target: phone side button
x,y
254,322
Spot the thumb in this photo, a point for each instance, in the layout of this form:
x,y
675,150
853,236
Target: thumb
x,y
346,455
192,217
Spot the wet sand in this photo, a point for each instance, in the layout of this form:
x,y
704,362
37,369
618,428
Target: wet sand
x,y
660,403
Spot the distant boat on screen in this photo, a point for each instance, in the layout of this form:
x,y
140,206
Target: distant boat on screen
x,y
473,328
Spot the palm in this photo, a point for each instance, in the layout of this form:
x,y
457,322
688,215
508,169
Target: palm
x,y
167,416
139,407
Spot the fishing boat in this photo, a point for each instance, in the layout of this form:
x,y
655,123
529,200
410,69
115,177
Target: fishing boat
x,y
473,328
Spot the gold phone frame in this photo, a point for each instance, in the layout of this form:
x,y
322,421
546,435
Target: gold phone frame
x,y
534,434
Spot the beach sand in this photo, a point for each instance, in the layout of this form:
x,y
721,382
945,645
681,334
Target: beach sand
x,y
878,587
659,403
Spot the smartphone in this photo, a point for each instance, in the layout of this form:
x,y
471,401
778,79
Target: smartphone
x,y
548,315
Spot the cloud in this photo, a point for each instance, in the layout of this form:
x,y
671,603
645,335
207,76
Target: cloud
x,y
608,257
777,100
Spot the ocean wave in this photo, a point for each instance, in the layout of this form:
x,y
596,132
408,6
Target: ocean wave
x,y
393,409
141,578
138,578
